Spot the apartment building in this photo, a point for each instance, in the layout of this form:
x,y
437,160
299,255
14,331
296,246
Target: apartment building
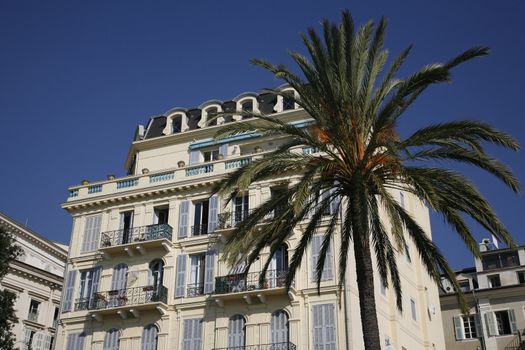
x,y
495,292
36,277
145,271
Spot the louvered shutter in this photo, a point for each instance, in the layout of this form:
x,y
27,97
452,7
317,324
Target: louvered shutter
x,y
80,341
71,341
91,233
38,341
213,212
315,247
111,340
47,343
477,322
328,273
490,320
180,279
187,341
279,328
317,327
183,219
195,157
95,234
209,274
88,228
223,149
335,203
119,278
68,298
96,284
329,327
236,332
458,328
512,320
197,334
149,338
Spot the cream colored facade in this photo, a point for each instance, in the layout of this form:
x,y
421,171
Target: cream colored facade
x,y
125,228
36,277
495,292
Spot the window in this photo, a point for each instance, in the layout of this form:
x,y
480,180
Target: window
x,y
50,342
240,208
280,209
494,281
156,275
200,218
236,332
176,123
499,260
288,102
211,155
33,311
464,285
279,329
192,339
160,216
126,227
316,245
521,277
91,233
413,309
55,317
212,112
75,341
278,268
323,327
196,280
89,282
501,322
112,340
149,337
28,339
248,107
469,327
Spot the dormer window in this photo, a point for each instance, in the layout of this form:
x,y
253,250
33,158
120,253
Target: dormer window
x,y
247,106
288,103
212,113
176,124
211,155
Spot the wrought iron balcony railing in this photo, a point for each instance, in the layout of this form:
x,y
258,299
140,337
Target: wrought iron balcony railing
x,y
241,283
199,230
228,219
135,234
33,316
195,289
274,346
517,343
123,297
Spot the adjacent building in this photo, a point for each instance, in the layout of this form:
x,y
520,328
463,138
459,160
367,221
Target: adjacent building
x,y
36,277
495,292
144,269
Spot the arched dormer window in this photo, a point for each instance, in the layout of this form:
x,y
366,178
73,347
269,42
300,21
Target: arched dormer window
x,y
176,123
210,116
247,106
286,103
246,102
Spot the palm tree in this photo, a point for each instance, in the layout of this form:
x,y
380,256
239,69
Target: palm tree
x,y
355,105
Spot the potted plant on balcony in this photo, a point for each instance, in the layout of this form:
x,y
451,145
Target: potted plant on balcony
x,y
223,220
106,241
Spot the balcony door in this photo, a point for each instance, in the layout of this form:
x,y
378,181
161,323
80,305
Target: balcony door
x,y
126,225
279,329
278,268
237,332
240,208
119,281
156,276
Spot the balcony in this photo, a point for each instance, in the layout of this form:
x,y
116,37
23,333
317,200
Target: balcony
x,y
124,301
274,346
136,239
249,285
195,290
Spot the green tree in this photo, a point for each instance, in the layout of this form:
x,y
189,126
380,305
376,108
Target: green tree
x,y
355,102
8,252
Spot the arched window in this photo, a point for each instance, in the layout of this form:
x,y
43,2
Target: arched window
x,y
278,267
279,328
150,337
248,107
176,124
236,332
156,274
112,339
211,113
288,101
118,286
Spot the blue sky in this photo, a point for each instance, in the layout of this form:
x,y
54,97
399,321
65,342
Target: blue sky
x,y
77,77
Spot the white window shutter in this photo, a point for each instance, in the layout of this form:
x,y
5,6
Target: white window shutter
x,y
86,240
458,328
187,341
68,297
213,212
192,334
119,278
197,334
329,326
47,343
149,338
335,203
111,340
478,324
195,156
315,247
223,149
236,332
95,235
492,327
512,321
279,328
180,280
317,327
183,219
328,270
209,275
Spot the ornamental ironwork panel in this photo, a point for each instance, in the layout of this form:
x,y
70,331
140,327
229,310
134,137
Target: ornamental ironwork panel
x,y
123,297
136,234
246,282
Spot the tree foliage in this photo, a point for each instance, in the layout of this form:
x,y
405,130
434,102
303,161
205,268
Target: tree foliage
x,y
355,101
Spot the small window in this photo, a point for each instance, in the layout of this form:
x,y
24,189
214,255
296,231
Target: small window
x,y
33,310
288,103
469,327
211,155
211,119
521,277
499,260
200,218
247,107
196,282
464,285
413,309
503,322
176,124
494,281
161,216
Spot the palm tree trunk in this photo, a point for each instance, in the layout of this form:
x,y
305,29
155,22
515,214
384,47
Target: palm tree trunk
x,y
365,283
363,264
